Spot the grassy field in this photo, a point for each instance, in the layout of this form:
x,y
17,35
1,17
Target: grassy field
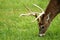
x,y
13,27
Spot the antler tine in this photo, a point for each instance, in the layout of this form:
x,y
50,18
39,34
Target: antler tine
x,y
30,12
40,14
38,17
38,7
28,9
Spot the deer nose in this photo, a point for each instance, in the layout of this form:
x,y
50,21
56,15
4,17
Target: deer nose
x,y
42,30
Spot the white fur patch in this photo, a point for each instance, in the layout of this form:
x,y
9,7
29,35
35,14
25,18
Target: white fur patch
x,y
41,35
48,17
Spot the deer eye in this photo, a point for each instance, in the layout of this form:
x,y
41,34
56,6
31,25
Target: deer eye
x,y
42,26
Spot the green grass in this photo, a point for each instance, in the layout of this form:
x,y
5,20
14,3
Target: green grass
x,y
13,27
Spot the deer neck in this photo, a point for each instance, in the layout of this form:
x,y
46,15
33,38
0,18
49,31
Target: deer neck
x,y
52,10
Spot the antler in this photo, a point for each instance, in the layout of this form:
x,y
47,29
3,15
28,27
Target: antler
x,y
33,13
30,12
38,17
40,14
38,7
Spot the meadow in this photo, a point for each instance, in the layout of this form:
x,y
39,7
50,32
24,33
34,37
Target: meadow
x,y
13,27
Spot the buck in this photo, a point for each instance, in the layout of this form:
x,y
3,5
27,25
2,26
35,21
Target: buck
x,y
45,18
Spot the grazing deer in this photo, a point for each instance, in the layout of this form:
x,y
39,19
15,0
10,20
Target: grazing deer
x,y
45,18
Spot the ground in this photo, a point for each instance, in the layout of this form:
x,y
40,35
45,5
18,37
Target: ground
x,y
13,27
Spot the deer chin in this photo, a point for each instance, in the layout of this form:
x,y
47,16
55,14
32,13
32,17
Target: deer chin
x,y
41,35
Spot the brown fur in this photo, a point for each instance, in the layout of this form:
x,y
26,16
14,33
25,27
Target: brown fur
x,y
53,9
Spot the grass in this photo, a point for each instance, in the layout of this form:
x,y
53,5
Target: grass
x,y
13,27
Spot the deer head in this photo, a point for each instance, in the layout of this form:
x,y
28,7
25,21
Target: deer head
x,y
42,18
39,18
45,17
43,24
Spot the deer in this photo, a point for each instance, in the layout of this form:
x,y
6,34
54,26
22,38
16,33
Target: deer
x,y
45,17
